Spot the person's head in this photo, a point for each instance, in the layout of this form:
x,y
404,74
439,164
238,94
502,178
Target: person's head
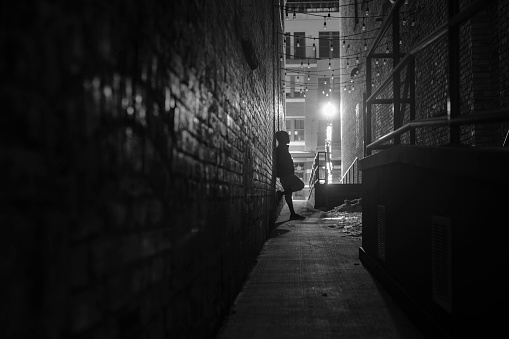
x,y
282,137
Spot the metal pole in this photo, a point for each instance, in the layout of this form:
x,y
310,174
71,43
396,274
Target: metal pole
x,y
453,100
396,81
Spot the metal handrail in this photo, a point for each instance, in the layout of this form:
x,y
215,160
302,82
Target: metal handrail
x,y
488,116
453,118
347,174
438,33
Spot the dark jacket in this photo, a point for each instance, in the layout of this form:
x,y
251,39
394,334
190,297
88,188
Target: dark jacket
x,y
284,161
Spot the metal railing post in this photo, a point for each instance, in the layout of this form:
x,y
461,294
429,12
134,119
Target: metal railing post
x,y
453,104
396,81
411,70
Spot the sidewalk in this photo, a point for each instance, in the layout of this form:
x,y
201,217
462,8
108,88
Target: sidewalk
x,y
309,283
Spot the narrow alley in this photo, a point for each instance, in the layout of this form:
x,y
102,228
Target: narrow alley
x,y
308,282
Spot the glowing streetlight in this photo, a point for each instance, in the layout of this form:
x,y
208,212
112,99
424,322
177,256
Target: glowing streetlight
x,y
329,109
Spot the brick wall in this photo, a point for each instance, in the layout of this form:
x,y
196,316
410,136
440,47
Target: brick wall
x,y
137,173
483,45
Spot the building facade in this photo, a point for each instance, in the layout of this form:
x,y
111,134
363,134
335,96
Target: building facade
x,y
312,81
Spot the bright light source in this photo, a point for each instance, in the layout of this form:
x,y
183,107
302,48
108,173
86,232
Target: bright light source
x,y
329,109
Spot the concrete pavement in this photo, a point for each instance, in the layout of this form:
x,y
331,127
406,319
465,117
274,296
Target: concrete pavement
x,y
309,283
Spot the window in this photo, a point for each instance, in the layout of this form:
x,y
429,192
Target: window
x,y
299,42
324,89
294,86
298,132
287,47
295,128
324,45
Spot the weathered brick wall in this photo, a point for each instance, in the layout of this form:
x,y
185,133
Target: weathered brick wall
x,y
137,172
483,70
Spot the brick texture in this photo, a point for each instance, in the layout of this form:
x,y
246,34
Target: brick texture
x,y
137,163
483,71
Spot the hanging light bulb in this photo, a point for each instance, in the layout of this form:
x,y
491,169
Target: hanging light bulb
x,y
307,88
344,43
281,58
314,46
413,22
363,25
344,89
329,63
325,82
400,42
332,76
404,21
331,47
377,73
349,89
347,63
326,94
301,64
365,45
385,62
294,16
376,61
324,23
328,16
357,60
286,15
367,11
308,77
353,87
330,89
298,42
323,91
387,49
309,64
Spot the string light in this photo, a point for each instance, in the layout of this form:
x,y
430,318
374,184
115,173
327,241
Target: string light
x,y
357,60
298,43
324,23
331,47
363,25
309,64
376,61
314,46
365,45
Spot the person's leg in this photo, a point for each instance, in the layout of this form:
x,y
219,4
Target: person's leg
x,y
288,198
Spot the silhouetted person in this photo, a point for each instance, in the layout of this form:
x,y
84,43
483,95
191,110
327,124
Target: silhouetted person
x,y
286,172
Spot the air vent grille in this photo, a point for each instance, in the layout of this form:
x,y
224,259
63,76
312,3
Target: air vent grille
x,y
441,261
